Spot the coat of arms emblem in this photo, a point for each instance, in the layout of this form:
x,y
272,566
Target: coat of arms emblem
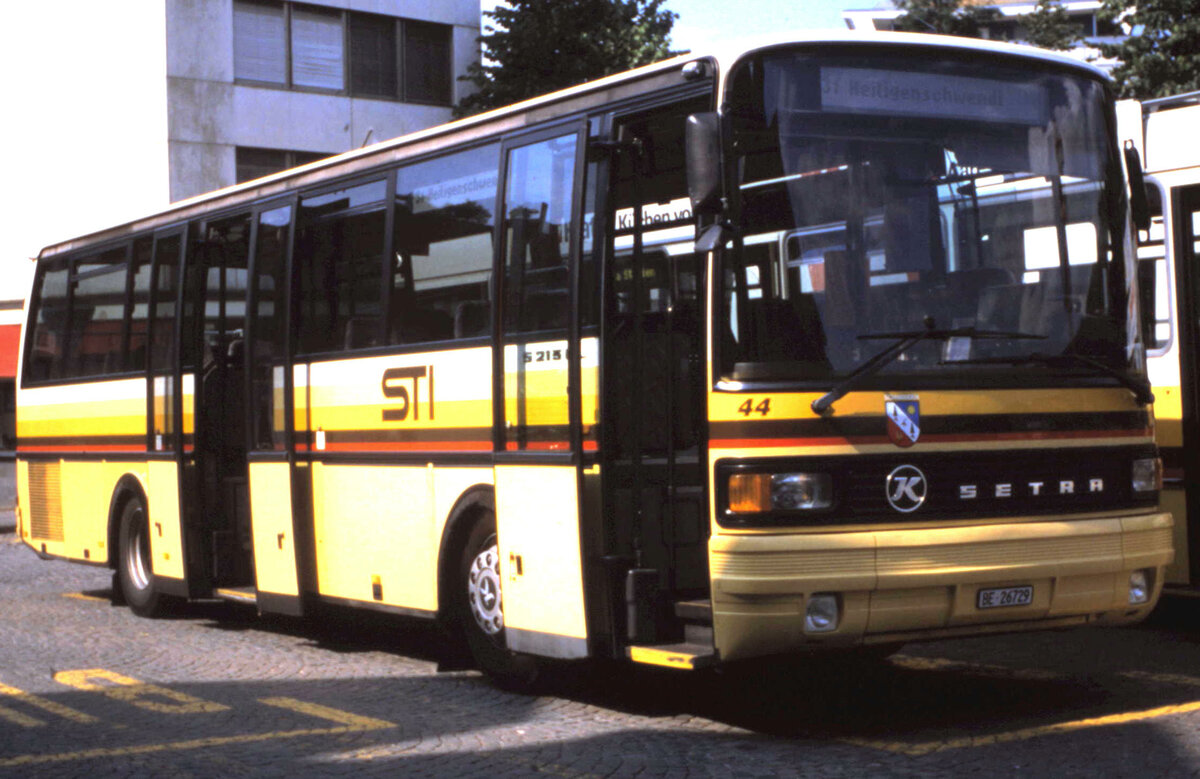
x,y
903,420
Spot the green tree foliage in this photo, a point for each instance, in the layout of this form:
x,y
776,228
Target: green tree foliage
x,y
944,17
1049,26
1161,56
539,46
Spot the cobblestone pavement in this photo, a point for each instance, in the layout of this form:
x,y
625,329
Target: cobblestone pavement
x,y
87,689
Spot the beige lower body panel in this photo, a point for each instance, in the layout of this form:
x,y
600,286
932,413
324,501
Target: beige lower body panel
x,y
923,583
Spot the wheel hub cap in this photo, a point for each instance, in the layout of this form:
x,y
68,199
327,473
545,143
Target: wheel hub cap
x,y
483,591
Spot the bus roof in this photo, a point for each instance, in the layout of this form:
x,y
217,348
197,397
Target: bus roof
x,y
497,120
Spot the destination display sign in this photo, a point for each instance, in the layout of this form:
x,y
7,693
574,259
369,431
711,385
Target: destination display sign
x,y
929,95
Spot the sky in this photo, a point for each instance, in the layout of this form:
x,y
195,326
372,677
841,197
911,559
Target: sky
x,y
702,23
55,134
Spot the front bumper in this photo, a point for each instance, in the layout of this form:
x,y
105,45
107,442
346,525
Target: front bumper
x,y
914,584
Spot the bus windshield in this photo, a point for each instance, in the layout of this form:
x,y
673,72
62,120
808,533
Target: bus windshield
x,y
882,197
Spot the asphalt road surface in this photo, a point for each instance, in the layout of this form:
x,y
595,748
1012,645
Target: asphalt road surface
x,y
88,689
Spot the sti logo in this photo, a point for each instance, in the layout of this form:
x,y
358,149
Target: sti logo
x,y
903,420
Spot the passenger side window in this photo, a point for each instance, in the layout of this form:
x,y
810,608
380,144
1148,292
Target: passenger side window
x,y
445,211
538,201
339,254
138,310
45,358
165,288
97,314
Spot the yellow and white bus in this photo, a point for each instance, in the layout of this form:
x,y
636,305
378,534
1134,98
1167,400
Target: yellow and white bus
x,y
828,343
1169,250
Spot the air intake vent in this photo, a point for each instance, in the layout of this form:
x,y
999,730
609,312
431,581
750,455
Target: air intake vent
x,y
45,501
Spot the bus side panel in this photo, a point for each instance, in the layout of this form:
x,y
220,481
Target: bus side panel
x,y
537,522
274,539
87,490
380,428
78,425
166,530
374,530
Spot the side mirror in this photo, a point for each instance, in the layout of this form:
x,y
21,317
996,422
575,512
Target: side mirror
x,y
703,140
1139,205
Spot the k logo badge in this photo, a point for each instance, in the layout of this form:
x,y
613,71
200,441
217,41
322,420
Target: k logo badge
x,y
906,488
903,420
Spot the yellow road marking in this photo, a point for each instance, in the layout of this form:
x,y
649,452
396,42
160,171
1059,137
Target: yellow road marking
x,y
81,596
45,705
17,718
359,724
353,721
130,690
175,746
919,749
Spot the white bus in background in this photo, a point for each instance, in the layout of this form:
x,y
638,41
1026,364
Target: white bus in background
x,y
1164,130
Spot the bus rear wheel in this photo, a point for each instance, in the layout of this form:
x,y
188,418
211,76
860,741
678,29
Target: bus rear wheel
x,y
481,609
135,572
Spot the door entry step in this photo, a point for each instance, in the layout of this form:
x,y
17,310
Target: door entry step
x,y
698,611
684,656
247,595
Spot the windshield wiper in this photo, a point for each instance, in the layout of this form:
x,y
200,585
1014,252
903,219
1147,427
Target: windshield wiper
x,y
1139,386
906,340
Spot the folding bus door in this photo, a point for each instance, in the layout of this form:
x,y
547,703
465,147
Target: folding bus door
x,y
164,406
1185,209
652,394
537,390
278,476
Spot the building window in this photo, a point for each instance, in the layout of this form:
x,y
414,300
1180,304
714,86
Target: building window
x,y
426,62
317,54
259,43
255,163
373,56
295,46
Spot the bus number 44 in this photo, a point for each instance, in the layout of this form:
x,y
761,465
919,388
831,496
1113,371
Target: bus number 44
x,y
748,408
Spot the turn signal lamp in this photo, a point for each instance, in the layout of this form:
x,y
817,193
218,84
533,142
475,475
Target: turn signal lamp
x,y
762,492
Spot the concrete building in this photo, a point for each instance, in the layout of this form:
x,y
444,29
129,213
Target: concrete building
x,y
119,109
254,86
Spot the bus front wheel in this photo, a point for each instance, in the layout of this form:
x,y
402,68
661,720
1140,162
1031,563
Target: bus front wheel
x,y
481,609
135,573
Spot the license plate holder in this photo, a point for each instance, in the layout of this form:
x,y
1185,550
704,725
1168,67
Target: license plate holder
x,y
1004,597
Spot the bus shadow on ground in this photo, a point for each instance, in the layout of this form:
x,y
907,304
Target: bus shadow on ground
x,y
833,699
334,629
819,697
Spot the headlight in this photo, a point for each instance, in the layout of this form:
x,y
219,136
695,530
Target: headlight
x,y
761,492
821,613
1140,584
1147,475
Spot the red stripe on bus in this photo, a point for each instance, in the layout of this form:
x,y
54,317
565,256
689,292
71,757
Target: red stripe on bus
x,y
539,446
83,448
1045,435
405,446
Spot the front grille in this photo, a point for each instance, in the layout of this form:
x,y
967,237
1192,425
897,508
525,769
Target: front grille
x,y
959,485
45,501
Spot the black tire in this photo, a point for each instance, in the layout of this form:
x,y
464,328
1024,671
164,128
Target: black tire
x,y
480,609
134,563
